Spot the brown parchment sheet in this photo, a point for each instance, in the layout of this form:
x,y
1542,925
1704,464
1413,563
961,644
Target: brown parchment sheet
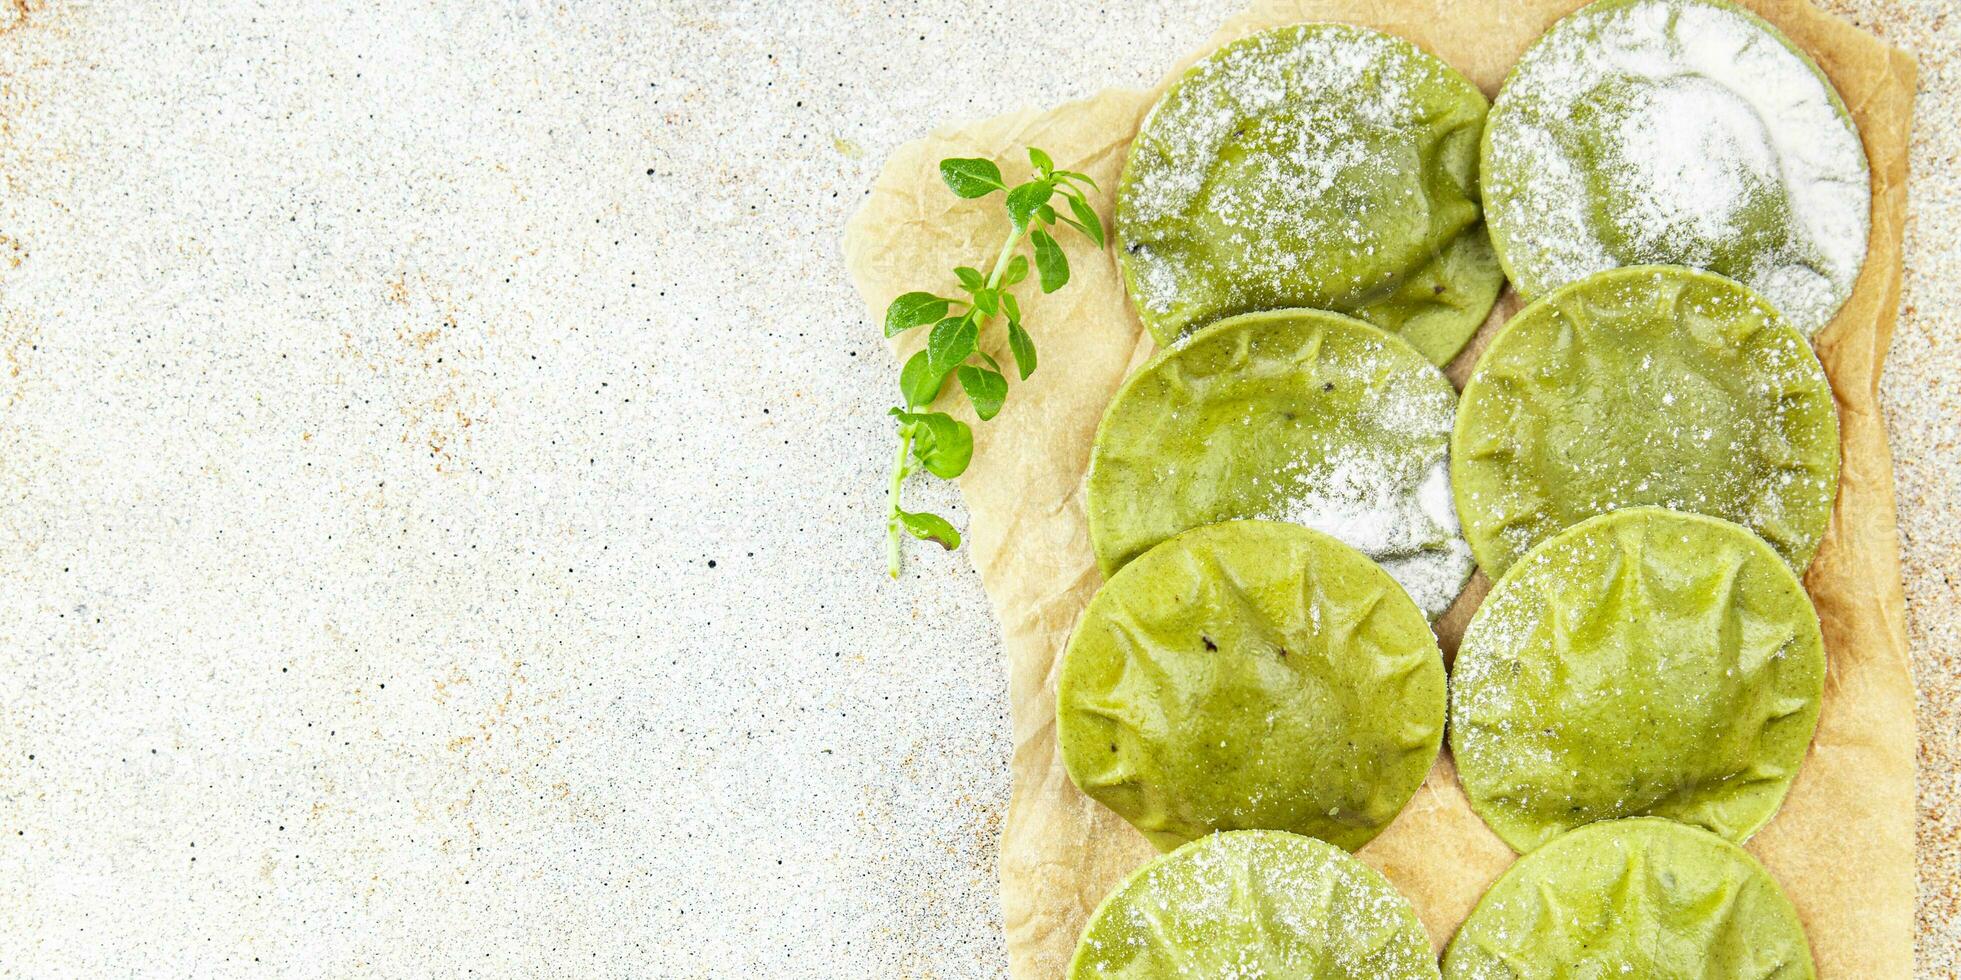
x,y
1842,846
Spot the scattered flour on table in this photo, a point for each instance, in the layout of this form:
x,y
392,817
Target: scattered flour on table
x,y
1702,126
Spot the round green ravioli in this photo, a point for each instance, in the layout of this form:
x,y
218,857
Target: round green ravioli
x,y
1647,898
1294,415
1251,675
1643,663
1687,132
1648,385
1254,903
1319,165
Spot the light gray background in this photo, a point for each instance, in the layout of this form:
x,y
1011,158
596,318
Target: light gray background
x,y
440,469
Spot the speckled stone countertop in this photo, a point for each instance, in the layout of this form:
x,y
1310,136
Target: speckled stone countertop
x,y
439,488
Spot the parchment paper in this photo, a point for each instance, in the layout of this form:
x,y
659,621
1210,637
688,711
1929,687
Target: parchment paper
x,y
1843,844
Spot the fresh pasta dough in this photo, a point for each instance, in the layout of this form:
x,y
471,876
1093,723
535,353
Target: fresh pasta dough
x,y
1644,662
1650,385
1318,165
1254,903
1688,132
1294,415
1251,675
1646,898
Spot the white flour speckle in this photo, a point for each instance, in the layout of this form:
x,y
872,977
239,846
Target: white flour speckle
x,y
1293,907
1677,131
1305,166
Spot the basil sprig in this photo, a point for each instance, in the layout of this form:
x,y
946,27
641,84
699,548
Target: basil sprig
x,y
933,440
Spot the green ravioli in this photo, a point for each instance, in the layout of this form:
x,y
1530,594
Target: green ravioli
x,y
1254,903
1644,662
1247,675
1293,415
1687,132
1319,165
1647,385
1646,898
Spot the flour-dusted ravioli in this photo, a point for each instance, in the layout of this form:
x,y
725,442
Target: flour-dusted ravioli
x,y
1319,165
1292,415
1251,675
1254,903
1642,663
1687,132
1652,385
1645,897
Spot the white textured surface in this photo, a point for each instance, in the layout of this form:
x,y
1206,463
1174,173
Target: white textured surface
x,y
377,383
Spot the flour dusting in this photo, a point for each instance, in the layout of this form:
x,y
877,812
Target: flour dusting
x,y
1285,167
1683,132
1257,905
1373,494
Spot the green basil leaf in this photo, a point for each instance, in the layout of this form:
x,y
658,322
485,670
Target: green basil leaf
x,y
1046,213
1011,306
970,177
1016,271
987,301
970,277
989,358
1027,199
1091,224
942,443
1023,347
986,389
930,527
918,382
951,341
912,310
1072,175
1041,161
1049,261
